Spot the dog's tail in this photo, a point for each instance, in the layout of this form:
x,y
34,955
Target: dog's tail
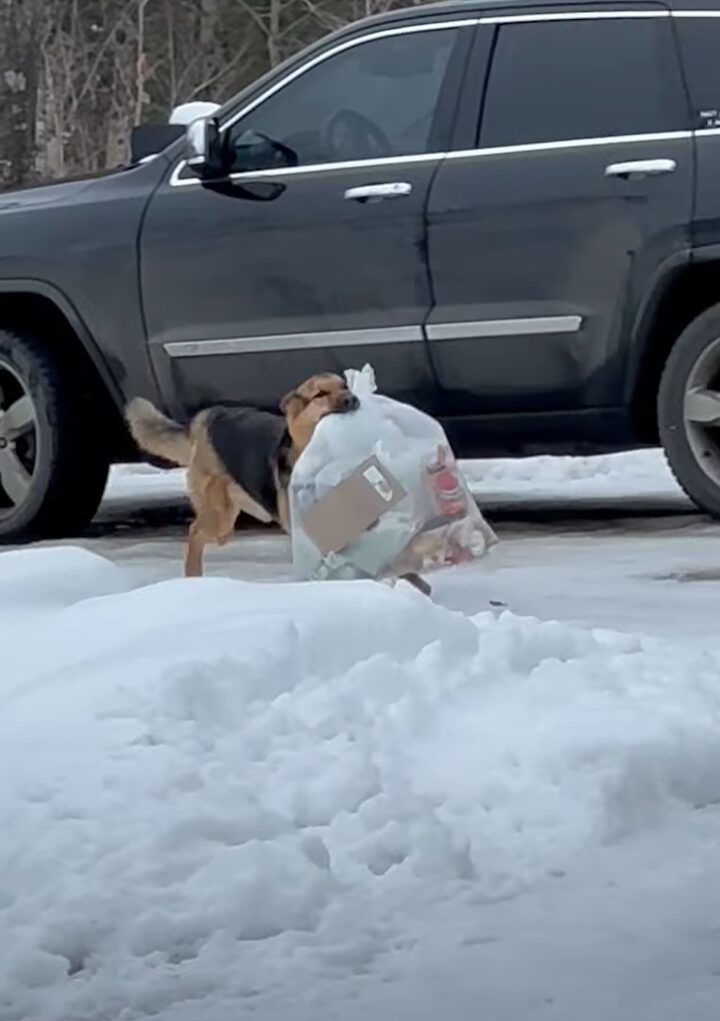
x,y
156,433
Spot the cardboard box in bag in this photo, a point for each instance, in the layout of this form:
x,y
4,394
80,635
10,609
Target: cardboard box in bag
x,y
352,506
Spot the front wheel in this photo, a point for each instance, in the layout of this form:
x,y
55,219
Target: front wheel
x,y
689,410
52,467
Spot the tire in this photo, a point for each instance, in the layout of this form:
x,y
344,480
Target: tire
x,y
52,471
686,409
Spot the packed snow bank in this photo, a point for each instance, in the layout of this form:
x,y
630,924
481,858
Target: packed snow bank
x,y
221,797
633,475
638,473
144,484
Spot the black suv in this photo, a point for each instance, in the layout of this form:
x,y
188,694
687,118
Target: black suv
x,y
512,210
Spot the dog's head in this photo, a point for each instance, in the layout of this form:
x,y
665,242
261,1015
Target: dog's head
x,y
303,407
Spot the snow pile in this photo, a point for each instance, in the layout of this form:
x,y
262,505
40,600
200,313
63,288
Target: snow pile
x,y
637,474
632,474
145,484
221,797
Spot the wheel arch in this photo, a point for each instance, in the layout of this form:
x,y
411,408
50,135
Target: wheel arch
x,y
43,309
686,287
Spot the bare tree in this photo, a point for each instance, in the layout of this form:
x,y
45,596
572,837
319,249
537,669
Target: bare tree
x,y
77,75
19,74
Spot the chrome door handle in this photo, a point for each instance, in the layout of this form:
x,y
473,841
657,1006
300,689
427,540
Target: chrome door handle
x,y
378,192
640,168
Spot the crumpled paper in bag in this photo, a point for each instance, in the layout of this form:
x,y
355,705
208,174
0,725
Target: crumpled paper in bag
x,y
436,523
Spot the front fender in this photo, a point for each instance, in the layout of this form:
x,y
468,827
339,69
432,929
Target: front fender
x,y
52,293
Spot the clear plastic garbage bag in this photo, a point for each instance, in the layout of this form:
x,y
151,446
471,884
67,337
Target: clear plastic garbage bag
x,y
378,493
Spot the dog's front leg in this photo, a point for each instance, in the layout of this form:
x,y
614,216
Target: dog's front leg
x,y
283,510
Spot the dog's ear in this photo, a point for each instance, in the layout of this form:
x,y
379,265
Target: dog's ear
x,y
292,403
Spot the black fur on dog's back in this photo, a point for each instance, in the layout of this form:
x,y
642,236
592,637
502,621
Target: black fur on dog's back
x,y
252,446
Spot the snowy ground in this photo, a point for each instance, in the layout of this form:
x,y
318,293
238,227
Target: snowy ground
x,y
607,541
225,799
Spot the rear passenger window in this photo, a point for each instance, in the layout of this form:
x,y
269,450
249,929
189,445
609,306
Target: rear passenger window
x,y
559,80
700,45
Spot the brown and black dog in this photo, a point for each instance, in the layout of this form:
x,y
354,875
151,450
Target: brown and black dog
x,y
238,459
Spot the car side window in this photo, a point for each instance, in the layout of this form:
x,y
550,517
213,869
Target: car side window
x,y
597,78
700,46
370,101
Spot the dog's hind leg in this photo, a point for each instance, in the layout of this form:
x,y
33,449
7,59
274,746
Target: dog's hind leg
x,y
208,499
210,528
228,511
194,550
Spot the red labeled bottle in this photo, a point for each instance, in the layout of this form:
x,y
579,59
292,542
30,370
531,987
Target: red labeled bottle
x,y
447,488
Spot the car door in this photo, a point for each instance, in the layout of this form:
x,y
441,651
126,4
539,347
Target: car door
x,y
578,188
310,255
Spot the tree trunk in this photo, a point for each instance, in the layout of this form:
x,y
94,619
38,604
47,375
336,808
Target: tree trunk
x,y
273,35
20,60
209,13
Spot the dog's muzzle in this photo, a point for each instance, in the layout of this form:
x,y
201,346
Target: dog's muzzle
x,y
346,402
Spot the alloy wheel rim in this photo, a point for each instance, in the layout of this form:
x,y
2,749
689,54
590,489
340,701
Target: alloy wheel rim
x,y
18,441
701,411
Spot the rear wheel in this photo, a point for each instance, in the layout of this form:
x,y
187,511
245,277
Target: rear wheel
x,y
689,410
52,467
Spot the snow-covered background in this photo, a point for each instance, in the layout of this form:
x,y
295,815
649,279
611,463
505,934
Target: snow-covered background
x,y
237,797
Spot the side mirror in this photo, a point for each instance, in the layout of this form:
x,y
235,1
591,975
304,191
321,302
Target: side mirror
x,y
204,148
186,113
